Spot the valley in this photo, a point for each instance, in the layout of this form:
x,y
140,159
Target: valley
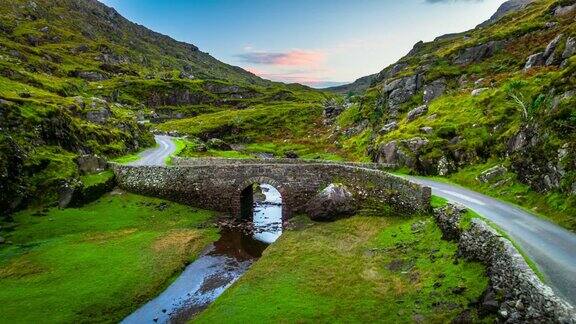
x,y
142,180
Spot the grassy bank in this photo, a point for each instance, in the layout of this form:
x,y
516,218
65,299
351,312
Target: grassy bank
x,y
363,269
96,263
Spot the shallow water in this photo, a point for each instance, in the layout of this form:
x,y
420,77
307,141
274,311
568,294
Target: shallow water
x,y
218,267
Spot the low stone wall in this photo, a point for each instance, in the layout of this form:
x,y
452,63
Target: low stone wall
x,y
179,161
523,296
218,186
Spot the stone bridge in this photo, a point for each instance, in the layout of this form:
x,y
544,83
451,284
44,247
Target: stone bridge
x,y
226,184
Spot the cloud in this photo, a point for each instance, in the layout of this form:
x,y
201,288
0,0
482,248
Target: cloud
x,y
316,78
294,57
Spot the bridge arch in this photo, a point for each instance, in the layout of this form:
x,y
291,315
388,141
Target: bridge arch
x,y
245,196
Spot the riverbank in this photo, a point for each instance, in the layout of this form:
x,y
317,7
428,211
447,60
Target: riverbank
x,y
97,263
362,269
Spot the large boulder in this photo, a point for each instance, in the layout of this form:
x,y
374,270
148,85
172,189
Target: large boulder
x,y
334,202
91,164
491,174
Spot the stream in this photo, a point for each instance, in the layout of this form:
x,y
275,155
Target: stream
x,y
217,267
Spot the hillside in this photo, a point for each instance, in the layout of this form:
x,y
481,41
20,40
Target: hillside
x,y
76,78
494,103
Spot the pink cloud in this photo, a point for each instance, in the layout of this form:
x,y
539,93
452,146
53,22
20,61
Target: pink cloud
x,y
291,58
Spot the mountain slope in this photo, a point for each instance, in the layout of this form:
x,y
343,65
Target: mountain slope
x,y
499,98
76,78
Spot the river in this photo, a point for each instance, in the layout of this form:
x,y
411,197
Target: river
x,y
217,268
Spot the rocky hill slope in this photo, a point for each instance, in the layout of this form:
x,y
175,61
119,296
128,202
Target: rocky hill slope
x,y
498,98
76,78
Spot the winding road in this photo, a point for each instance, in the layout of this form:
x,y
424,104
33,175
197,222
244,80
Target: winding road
x,y
157,155
552,248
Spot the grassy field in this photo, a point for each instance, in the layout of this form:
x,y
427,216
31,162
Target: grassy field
x,y
97,263
362,269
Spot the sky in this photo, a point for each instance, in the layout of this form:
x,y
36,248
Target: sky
x,y
314,42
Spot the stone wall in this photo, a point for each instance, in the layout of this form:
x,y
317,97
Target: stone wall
x,y
523,297
218,186
178,161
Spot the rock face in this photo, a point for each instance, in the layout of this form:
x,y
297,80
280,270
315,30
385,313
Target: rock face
x,y
515,290
401,153
492,173
399,91
335,201
332,109
434,90
478,53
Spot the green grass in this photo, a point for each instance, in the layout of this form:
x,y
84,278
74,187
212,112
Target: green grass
x,y
181,144
362,269
97,263
90,180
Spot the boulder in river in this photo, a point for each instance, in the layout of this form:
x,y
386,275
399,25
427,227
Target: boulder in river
x,y
335,201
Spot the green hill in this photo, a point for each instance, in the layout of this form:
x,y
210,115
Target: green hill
x,y
77,78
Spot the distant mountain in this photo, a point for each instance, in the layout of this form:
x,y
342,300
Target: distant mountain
x,y
355,87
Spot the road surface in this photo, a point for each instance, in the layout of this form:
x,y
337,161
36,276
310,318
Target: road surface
x,y
158,154
550,246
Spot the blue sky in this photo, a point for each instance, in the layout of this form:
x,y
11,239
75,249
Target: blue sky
x,y
315,42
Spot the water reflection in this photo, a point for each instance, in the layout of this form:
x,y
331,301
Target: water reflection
x,y
268,215
218,267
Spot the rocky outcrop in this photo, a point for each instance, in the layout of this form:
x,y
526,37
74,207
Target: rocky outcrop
x,y
401,152
417,112
333,202
478,53
517,294
548,57
537,162
434,90
218,144
398,91
332,109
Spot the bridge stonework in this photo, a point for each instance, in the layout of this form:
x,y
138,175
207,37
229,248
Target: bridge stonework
x,y
217,184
